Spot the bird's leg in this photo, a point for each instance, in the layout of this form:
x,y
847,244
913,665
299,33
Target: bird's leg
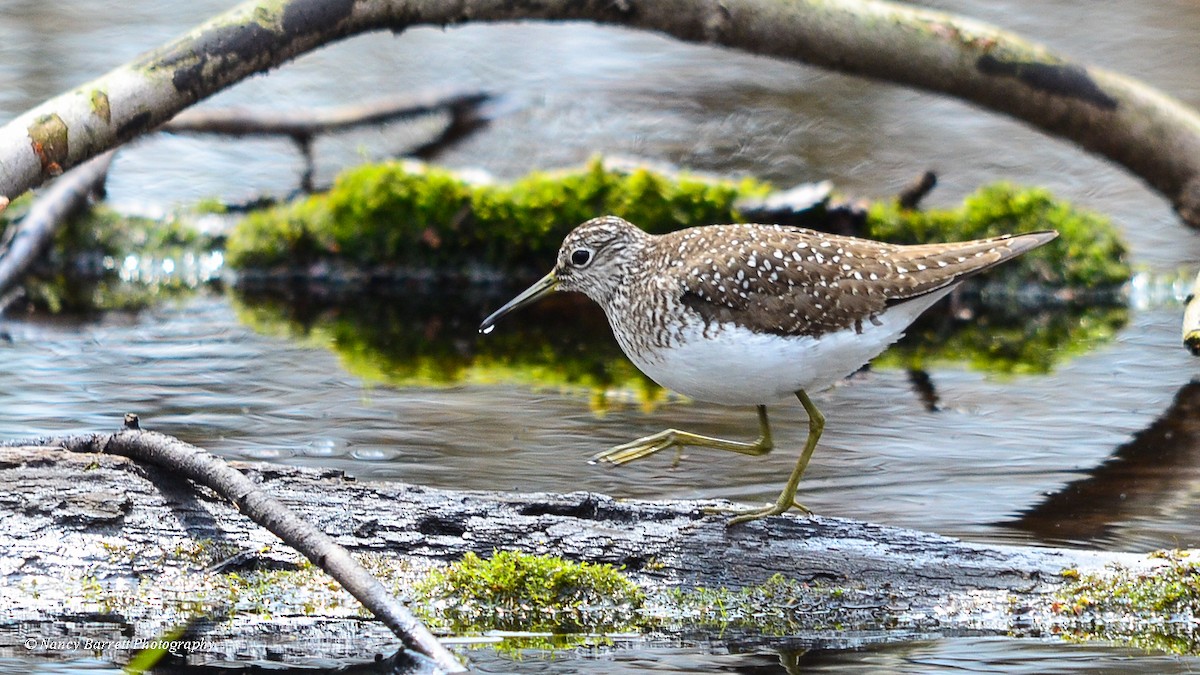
x,y
787,498
644,447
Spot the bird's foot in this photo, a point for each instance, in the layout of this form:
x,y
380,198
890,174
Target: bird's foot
x,y
742,515
637,449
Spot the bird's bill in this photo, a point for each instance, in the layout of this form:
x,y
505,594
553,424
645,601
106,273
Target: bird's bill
x,y
544,286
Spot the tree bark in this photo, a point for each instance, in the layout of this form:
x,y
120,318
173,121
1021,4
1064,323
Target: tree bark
x,y
1152,135
188,461
71,520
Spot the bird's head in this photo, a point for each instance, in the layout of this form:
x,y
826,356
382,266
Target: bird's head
x,y
593,259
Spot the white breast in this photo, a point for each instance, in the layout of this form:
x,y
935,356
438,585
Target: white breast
x,y
732,365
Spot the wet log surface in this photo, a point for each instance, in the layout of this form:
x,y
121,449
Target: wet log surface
x,y
73,523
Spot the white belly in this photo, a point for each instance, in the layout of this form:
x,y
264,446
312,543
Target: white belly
x,y
735,366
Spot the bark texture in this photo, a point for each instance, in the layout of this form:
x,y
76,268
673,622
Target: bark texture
x,y
188,461
71,521
1151,134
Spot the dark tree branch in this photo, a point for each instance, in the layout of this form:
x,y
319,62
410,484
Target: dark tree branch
x,y
910,197
309,123
303,125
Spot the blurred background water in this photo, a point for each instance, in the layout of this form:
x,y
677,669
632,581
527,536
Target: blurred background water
x,y
1101,451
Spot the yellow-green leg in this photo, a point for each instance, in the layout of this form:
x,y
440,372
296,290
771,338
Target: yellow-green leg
x,y
673,438
787,498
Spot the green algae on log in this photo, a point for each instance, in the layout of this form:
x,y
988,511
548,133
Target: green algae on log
x,y
404,217
511,590
1145,608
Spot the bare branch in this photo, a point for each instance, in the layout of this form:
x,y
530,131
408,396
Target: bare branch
x,y
27,240
307,123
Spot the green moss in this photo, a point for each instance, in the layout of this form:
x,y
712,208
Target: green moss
x,y
104,231
100,105
1148,609
519,591
390,214
1087,254
51,142
210,205
394,215
15,210
778,606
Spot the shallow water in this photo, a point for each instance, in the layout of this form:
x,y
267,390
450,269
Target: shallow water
x,y
1102,451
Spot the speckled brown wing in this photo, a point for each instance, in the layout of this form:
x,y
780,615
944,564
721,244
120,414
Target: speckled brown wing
x,y
792,281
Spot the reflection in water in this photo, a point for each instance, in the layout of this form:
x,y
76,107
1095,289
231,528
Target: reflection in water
x,y
852,653
412,336
415,338
1004,337
1141,479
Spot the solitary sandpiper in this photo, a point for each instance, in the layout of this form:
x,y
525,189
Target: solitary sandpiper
x,y
754,314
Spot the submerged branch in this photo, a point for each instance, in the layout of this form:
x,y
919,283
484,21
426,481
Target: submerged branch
x,y
302,126
1153,135
28,239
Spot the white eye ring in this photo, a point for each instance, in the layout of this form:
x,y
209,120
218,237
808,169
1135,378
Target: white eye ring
x,y
581,257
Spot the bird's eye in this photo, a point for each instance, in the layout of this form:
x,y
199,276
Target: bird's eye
x,y
581,257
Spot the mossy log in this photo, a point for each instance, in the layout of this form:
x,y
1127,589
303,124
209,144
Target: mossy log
x,y
98,547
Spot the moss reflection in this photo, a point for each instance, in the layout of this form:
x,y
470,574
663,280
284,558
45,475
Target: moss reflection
x,y
420,336
425,339
1005,339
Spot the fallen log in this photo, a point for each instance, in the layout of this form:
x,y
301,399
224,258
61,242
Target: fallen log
x,y
98,547
187,461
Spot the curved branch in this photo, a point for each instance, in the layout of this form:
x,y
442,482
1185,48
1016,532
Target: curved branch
x,y
206,469
1151,134
32,236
